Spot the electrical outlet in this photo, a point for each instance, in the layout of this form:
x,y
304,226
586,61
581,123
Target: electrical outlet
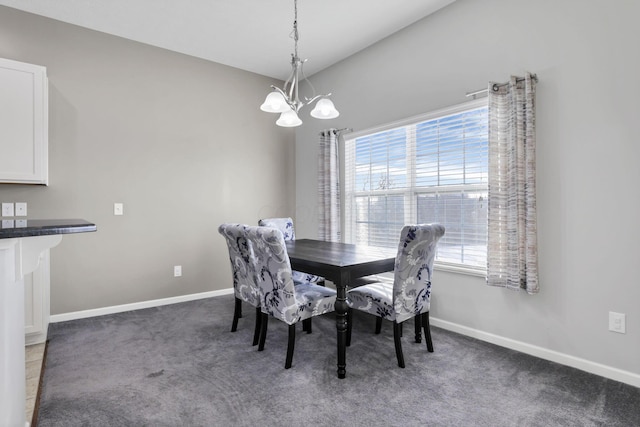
x,y
617,322
7,209
177,270
118,208
21,209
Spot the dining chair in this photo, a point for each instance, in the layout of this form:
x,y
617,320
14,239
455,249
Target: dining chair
x,y
408,294
244,285
285,225
279,296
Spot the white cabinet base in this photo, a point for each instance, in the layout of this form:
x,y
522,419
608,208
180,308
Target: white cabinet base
x,y
37,302
18,257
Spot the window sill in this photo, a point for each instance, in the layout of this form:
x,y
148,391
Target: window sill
x,y
469,271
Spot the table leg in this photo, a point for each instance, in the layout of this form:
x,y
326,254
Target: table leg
x,y
341,323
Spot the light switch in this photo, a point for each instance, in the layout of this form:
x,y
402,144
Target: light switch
x,y
7,209
118,208
617,322
21,209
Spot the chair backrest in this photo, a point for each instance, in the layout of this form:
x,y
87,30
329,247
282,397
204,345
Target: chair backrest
x,y
273,274
414,265
285,225
240,254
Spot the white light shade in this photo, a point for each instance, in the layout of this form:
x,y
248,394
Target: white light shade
x,y
324,110
289,119
275,103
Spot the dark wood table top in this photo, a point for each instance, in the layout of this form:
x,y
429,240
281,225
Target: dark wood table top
x,y
332,260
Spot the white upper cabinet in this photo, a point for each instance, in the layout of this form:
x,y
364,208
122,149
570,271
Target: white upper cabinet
x,y
24,130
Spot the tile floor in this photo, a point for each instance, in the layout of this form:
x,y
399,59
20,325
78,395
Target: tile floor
x,y
34,355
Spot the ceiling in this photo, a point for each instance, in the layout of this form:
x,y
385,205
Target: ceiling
x,y
252,35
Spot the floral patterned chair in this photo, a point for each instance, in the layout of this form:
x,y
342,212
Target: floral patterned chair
x,y
279,296
286,226
244,286
409,294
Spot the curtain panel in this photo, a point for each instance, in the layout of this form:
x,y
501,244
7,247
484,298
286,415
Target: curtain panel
x,y
329,187
512,247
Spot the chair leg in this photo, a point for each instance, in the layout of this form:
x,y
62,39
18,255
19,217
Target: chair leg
x,y
349,325
306,325
256,332
378,324
290,346
237,313
397,327
263,330
418,326
427,331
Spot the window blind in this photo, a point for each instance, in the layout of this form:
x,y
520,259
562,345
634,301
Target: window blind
x,y
431,168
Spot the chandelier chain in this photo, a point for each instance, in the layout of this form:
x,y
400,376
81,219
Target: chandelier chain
x,y
295,28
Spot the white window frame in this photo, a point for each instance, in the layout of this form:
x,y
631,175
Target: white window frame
x,y
411,192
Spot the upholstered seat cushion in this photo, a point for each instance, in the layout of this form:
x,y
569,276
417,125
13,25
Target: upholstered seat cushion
x,y
307,301
374,298
301,277
377,299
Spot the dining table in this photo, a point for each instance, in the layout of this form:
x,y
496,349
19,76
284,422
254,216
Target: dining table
x,y
342,264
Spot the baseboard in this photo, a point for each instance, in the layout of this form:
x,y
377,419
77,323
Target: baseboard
x,y
135,306
543,353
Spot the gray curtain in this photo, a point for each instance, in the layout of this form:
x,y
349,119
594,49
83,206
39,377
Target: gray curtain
x,y
512,247
329,187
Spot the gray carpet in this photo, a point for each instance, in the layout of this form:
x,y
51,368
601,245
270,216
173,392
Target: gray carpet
x,y
179,365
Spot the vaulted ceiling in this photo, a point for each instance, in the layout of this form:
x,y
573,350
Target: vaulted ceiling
x,y
252,35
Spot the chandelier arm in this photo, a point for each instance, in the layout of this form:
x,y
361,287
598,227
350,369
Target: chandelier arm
x,y
313,89
288,82
310,100
286,98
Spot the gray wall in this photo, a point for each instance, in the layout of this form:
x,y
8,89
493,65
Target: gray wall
x,y
586,56
180,141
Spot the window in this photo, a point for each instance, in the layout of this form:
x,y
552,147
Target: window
x,y
431,168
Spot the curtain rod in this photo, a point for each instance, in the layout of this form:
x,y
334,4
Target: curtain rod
x,y
496,86
336,130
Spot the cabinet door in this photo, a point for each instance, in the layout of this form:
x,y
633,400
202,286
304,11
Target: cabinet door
x,y
23,123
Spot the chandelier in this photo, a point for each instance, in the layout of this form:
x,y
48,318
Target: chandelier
x,y
286,101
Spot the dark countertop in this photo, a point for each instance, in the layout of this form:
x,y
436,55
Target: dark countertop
x,y
17,227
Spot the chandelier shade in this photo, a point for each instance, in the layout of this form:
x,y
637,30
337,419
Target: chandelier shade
x,y
324,109
289,119
275,103
287,102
